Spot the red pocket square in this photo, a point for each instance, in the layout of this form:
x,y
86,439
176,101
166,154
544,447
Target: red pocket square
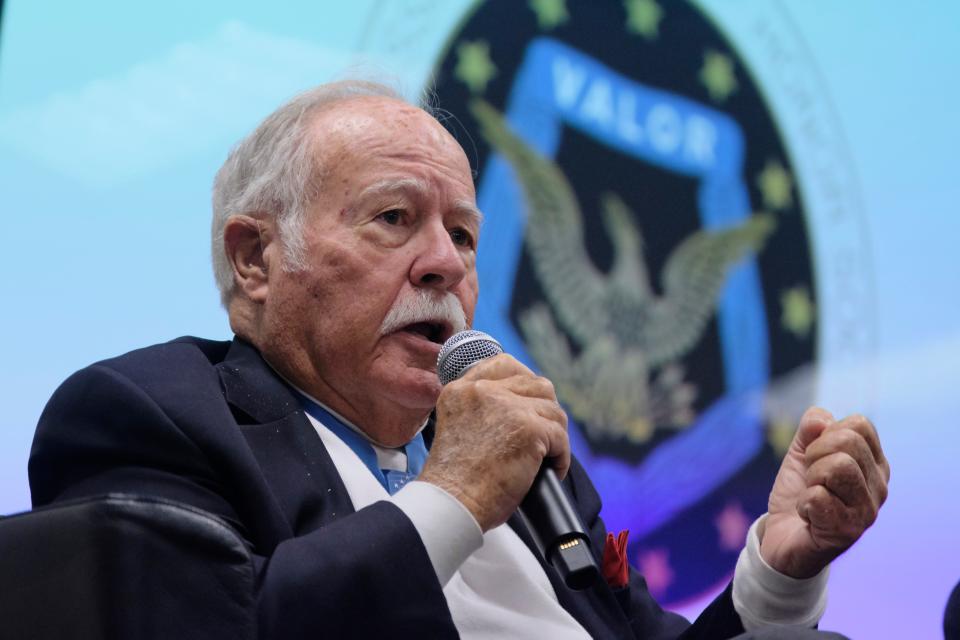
x,y
616,570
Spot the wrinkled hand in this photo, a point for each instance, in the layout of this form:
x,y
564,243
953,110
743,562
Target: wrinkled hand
x,y
495,425
828,491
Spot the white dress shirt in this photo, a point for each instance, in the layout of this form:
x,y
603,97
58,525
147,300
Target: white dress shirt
x,y
496,588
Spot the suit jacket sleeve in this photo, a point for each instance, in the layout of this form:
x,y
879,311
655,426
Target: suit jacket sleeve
x,y
103,433
157,423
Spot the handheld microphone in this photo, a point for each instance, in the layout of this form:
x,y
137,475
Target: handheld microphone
x,y
554,523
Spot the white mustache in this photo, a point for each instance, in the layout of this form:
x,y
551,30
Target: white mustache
x,y
423,305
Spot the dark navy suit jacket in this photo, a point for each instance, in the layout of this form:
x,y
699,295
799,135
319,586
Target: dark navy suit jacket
x,y
211,425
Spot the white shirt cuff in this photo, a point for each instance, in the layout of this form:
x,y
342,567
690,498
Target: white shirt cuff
x,y
763,596
447,529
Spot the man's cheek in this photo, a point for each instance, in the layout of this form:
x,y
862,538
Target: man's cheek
x,y
339,264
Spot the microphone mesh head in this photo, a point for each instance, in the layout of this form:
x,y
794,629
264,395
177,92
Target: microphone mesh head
x,y
463,350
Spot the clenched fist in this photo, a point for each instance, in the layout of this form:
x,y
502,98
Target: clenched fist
x,y
830,487
495,425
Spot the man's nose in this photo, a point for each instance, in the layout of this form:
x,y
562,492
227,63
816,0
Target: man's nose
x,y
441,264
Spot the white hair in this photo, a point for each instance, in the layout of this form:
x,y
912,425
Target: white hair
x,y
273,173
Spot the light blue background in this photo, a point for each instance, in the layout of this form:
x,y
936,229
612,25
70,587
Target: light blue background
x,y
114,117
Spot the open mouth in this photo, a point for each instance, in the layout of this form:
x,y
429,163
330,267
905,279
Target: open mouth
x,y
437,332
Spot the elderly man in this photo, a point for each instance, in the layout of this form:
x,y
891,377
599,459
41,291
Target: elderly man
x,y
344,240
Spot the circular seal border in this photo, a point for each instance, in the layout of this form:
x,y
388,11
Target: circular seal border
x,y
784,70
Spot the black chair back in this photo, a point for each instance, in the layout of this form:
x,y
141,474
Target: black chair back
x,y
121,566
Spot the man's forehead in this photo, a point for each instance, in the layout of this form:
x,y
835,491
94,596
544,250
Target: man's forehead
x,y
365,128
372,115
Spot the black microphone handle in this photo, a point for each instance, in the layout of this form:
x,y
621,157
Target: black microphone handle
x,y
558,531
553,522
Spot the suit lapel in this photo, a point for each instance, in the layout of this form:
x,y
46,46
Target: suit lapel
x,y
294,462
305,482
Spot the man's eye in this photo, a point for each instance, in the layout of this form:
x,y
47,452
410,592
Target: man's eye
x,y
392,217
461,237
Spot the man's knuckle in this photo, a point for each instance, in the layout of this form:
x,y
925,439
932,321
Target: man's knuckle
x,y
481,387
849,440
860,422
547,386
846,466
882,493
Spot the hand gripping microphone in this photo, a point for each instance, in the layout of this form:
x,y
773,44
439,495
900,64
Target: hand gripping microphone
x,y
555,525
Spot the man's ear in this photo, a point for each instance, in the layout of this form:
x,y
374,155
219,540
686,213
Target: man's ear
x,y
246,240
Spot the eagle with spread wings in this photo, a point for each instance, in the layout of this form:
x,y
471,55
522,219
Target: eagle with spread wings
x,y
625,378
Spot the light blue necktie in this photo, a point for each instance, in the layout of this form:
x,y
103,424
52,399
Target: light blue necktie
x,y
391,480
